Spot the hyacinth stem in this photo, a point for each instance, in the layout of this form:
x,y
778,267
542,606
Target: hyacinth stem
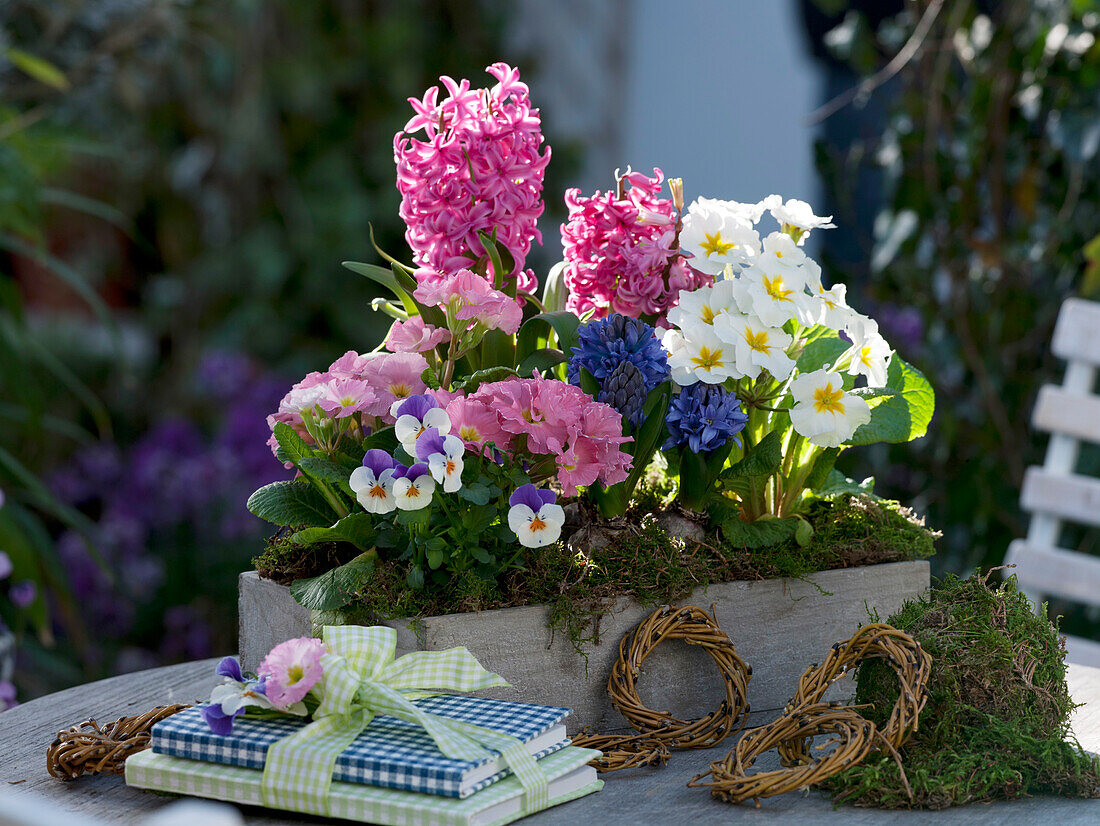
x,y
612,501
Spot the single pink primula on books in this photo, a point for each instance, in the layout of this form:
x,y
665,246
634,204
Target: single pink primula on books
x,y
478,168
621,252
291,670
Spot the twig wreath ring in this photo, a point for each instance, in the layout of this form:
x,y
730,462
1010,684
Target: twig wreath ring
x,y
694,626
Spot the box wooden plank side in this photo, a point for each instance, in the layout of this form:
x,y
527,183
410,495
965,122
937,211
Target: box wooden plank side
x,y
778,626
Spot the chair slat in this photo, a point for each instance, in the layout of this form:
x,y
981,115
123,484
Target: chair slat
x,y
1072,497
1077,333
1070,414
1045,570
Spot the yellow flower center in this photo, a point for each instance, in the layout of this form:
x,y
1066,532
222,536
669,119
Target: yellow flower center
x,y
469,433
294,674
757,341
776,289
401,390
347,401
715,246
827,400
537,525
707,315
865,356
707,359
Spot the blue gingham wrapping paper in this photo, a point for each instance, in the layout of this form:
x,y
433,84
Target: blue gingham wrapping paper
x,y
391,753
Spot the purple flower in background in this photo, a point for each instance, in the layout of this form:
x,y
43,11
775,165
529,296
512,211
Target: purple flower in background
x,y
1,497
222,373
23,593
7,695
5,565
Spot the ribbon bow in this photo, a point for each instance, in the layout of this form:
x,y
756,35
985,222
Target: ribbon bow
x,y
363,678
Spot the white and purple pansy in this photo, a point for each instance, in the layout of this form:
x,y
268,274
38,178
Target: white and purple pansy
x,y
413,487
230,699
415,414
444,457
534,516
373,482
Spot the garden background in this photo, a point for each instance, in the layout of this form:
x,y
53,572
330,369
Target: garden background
x,y
180,180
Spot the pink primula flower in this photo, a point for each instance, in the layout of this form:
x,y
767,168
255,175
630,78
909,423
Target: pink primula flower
x,y
414,336
343,397
471,297
393,376
622,255
476,423
291,670
478,167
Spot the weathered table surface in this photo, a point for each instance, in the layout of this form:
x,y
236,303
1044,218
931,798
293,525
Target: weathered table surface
x,y
652,796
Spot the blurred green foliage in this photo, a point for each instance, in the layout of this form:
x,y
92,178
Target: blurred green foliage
x,y
990,160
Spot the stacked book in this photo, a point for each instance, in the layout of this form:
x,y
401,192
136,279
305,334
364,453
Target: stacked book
x,y
392,774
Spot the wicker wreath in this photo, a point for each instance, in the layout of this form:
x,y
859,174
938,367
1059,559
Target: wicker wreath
x,y
695,627
852,736
623,751
89,749
878,640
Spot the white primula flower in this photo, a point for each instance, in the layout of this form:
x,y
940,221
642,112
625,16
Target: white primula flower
x,y
746,212
869,351
832,308
303,398
776,296
796,218
702,305
413,488
444,457
716,236
756,345
533,516
823,412
697,354
373,482
780,251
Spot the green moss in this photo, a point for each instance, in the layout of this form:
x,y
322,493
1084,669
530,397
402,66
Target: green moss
x,y
284,561
997,717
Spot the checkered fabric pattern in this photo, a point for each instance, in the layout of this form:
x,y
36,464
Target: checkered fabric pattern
x,y
365,804
390,752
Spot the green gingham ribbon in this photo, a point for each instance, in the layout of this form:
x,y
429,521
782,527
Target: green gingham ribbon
x,y
362,678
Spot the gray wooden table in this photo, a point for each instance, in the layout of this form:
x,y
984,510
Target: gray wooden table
x,y
651,796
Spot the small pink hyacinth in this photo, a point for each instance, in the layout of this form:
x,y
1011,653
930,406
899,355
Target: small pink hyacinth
x,y
292,669
622,254
477,168
414,336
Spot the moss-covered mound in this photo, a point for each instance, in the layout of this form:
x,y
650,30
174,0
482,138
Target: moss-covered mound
x,y
996,722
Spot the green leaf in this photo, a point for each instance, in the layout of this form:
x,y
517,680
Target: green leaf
x,y
589,383
763,459
415,577
837,484
435,558
355,528
386,277
489,374
823,466
901,411
758,534
336,588
477,493
41,70
803,533
295,502
292,447
382,439
824,348
326,470
542,360
651,434
536,331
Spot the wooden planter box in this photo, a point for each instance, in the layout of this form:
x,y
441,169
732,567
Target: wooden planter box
x,y
779,627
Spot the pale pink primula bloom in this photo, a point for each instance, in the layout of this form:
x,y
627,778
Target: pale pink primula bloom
x,y
414,336
292,669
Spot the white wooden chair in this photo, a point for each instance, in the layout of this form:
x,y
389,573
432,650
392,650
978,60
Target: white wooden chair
x,y
1055,493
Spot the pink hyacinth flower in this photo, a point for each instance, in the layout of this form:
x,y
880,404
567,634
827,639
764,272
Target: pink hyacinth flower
x,y
291,670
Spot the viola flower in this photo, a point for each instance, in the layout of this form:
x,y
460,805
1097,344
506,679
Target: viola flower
x,y
698,354
373,482
534,517
444,457
621,252
414,415
230,699
756,345
823,412
413,487
704,418
604,344
716,237
869,351
345,397
478,168
414,336
796,218
291,669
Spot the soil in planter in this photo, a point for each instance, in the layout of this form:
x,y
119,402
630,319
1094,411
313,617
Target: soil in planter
x,y
997,716
652,557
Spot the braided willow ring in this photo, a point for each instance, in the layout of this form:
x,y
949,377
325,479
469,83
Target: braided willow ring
x,y
695,627
623,751
730,779
878,640
91,749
